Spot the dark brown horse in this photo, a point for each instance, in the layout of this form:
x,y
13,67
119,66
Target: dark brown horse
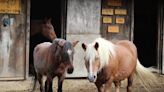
x,y
53,59
109,63
41,30
43,27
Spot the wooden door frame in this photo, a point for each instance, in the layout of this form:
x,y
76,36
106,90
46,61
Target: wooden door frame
x,y
132,20
28,5
63,18
160,36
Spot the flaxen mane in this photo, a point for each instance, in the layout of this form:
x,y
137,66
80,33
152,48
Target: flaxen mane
x,y
106,49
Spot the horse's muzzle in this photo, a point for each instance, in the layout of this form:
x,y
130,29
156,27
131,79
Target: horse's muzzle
x,y
70,70
92,78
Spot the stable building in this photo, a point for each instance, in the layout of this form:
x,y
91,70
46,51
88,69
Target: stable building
x,y
136,20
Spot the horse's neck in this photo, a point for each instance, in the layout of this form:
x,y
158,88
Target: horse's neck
x,y
50,35
104,74
109,70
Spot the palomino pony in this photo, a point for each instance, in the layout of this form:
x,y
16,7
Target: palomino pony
x,y
53,59
43,27
108,63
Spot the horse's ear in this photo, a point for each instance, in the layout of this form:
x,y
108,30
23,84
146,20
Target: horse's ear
x,y
74,43
47,20
59,42
84,46
96,45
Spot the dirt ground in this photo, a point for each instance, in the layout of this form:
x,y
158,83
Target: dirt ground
x,y
73,85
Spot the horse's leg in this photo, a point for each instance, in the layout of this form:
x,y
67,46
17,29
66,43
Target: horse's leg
x,y
117,85
60,83
48,84
99,86
130,81
39,77
108,86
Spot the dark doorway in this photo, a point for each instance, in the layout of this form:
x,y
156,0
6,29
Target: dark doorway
x,y
47,9
41,9
146,30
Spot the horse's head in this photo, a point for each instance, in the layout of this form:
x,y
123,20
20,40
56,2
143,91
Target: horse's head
x,y
92,60
47,29
97,56
67,53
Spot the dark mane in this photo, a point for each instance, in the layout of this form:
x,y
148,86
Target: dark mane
x,y
53,59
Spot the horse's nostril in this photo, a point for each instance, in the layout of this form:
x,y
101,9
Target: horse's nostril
x,y
94,76
70,70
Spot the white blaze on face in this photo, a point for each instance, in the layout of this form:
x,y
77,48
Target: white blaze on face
x,y
90,67
69,52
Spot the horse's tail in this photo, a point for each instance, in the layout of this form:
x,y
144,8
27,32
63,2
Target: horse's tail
x,y
34,81
34,73
146,77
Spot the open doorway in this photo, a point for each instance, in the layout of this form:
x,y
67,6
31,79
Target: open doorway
x,y
146,31
46,9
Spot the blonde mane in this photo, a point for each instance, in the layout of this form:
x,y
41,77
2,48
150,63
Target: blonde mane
x,y
105,51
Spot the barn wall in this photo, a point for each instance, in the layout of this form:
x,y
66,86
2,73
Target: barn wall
x,y
83,16
116,25
83,24
13,43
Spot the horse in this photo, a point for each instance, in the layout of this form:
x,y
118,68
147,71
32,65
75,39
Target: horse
x,y
110,62
53,59
40,29
43,27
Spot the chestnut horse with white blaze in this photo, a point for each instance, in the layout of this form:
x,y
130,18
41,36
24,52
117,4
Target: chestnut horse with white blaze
x,y
108,63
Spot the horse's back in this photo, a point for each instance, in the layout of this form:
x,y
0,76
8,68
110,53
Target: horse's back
x,y
40,55
128,45
42,47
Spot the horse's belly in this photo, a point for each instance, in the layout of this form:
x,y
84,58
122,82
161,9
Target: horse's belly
x,y
41,54
121,76
124,73
40,67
